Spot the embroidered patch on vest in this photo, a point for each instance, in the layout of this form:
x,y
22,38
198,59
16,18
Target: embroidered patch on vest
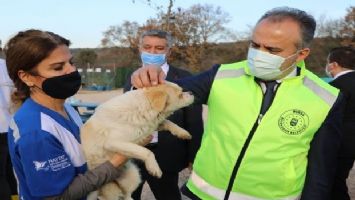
x,y
293,122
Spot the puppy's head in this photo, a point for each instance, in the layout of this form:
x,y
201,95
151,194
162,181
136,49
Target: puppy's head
x,y
168,97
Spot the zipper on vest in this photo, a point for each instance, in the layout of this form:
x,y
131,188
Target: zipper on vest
x,y
260,117
246,145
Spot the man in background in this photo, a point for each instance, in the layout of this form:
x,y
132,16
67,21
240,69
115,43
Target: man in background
x,y
172,154
341,66
8,185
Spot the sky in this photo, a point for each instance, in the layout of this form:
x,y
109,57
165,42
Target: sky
x,y
84,21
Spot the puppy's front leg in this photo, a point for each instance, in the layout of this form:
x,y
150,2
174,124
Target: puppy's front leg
x,y
174,129
132,150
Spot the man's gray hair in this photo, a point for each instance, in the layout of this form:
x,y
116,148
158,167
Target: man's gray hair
x,y
306,22
158,33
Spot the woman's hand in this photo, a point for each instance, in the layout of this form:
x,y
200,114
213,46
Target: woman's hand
x,y
146,140
118,159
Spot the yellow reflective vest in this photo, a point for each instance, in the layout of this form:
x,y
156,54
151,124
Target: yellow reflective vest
x,y
272,149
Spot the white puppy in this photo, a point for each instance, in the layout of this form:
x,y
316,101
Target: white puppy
x,y
120,123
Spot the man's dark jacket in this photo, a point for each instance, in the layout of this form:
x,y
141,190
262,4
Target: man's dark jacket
x,y
172,153
346,84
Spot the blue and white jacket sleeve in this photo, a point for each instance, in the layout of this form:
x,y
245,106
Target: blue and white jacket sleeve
x,y
42,167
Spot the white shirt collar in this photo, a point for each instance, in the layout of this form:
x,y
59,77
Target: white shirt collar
x,y
165,68
342,73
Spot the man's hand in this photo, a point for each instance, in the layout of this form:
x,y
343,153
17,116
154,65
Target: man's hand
x,y
147,76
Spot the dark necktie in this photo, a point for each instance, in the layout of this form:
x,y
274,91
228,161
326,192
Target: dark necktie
x,y
268,96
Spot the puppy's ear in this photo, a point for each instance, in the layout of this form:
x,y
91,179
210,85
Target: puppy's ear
x,y
157,99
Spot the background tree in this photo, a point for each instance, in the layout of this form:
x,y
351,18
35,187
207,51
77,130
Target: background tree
x,y
329,27
348,31
121,43
195,30
86,58
121,75
330,33
201,38
122,35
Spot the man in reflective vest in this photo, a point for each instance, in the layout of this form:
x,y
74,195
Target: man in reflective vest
x,y
272,129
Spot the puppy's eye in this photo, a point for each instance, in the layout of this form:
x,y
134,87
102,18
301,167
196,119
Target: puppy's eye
x,y
181,95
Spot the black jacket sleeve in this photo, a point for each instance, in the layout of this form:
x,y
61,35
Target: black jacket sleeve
x,y
127,86
322,156
200,84
191,117
193,123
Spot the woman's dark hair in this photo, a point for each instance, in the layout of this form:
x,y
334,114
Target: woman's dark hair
x,y
24,52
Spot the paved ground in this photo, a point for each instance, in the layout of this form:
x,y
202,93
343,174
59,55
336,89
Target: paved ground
x,y
351,184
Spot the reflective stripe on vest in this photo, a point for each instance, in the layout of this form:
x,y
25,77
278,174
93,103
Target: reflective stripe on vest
x,y
219,193
321,92
229,73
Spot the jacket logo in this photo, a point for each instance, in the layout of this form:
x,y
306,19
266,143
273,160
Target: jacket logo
x,y
293,122
53,164
41,165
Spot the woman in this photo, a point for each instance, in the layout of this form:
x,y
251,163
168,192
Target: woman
x,y
44,140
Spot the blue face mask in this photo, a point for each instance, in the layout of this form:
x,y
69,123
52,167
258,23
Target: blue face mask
x,y
153,59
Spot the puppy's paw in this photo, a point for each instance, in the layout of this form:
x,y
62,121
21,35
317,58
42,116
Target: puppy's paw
x,y
155,171
183,134
93,195
152,166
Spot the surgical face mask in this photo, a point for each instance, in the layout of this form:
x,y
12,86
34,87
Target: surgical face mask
x,y
266,66
153,59
327,72
61,87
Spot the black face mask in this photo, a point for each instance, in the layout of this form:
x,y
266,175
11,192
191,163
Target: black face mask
x,y
62,87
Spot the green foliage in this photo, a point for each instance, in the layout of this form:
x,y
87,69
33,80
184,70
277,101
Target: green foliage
x,y
102,78
86,57
122,74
